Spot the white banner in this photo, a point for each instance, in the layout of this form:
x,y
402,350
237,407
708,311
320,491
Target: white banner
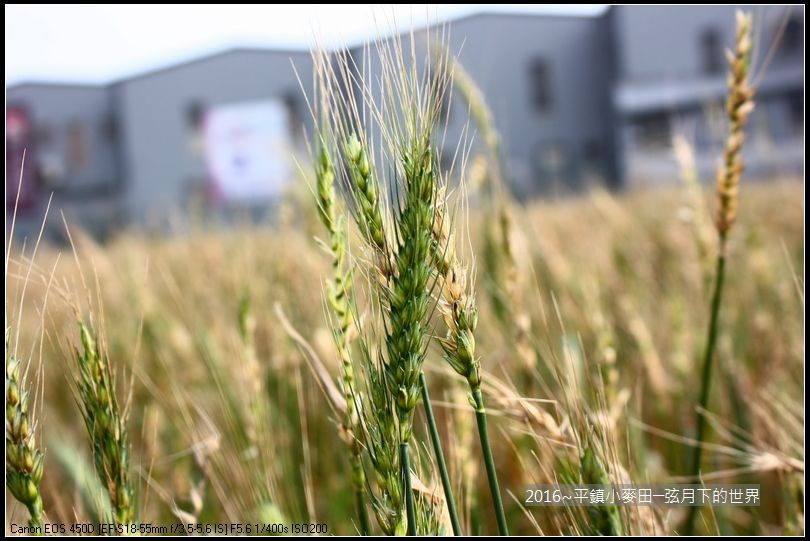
x,y
247,149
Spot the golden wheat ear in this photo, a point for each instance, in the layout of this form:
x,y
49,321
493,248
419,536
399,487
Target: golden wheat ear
x,y
739,104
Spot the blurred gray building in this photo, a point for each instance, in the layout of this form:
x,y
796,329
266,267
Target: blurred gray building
x,y
577,100
670,75
135,151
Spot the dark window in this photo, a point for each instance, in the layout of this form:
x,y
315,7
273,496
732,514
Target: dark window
x,y
540,80
711,50
195,113
195,123
792,38
290,100
294,118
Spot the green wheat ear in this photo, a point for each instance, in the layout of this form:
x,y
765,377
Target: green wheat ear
x,y
106,426
24,461
339,298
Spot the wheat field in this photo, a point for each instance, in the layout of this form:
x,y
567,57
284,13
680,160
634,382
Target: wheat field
x,y
613,293
406,350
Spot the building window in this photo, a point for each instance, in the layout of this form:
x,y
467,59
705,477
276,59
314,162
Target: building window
x,y
711,50
540,80
294,118
195,114
195,122
793,36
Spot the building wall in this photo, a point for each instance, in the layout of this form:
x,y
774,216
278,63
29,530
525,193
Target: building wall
x,y
556,125
664,42
159,117
553,138
576,100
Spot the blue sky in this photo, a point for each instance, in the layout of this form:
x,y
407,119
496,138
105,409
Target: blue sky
x,y
98,43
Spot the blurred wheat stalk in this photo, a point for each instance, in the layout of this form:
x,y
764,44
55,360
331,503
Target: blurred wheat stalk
x,y
739,105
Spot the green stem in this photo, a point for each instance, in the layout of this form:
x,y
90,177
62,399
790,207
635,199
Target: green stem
x,y
437,449
705,387
35,516
410,508
359,494
492,477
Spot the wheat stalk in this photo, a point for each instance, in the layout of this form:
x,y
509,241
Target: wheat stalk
x,y
738,108
460,314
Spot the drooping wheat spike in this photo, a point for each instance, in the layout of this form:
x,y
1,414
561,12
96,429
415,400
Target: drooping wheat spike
x,y
738,108
106,425
338,293
25,462
460,314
